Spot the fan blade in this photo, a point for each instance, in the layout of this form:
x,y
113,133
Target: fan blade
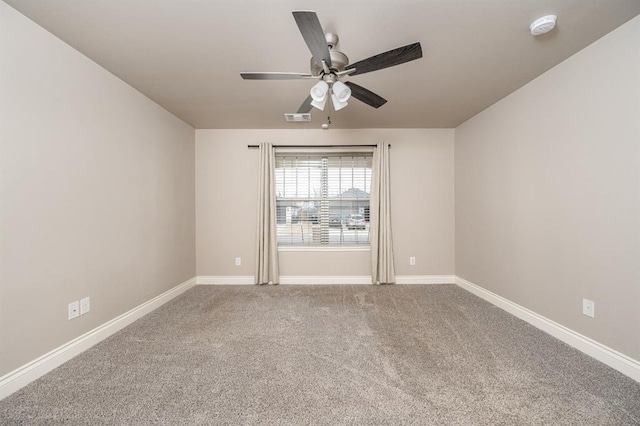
x,y
388,59
306,106
366,95
313,35
274,75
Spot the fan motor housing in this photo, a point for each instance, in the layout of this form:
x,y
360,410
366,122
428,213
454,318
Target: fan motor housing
x,y
338,59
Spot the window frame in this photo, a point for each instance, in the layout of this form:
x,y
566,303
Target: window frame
x,y
366,151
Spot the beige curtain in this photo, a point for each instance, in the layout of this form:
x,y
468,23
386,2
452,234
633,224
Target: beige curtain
x,y
382,269
267,246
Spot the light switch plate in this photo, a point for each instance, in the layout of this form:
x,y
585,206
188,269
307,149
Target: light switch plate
x,y
85,305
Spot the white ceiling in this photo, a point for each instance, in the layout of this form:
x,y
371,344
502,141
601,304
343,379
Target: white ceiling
x,y
187,54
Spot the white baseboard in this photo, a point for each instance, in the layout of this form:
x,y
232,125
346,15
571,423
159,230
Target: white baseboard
x,y
284,280
225,280
326,279
627,366
425,279
22,376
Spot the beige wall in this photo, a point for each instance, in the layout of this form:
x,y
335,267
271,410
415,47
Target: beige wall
x,y
97,194
422,201
548,193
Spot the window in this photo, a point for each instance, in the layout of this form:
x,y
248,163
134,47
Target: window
x,y
323,199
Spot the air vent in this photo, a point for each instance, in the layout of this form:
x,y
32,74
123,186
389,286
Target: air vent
x,y
298,117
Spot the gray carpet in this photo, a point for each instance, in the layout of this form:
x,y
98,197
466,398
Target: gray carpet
x,y
329,355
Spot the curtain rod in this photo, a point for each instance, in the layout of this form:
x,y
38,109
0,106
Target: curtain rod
x,y
318,146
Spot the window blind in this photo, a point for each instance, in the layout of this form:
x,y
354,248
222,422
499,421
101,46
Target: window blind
x,y
323,199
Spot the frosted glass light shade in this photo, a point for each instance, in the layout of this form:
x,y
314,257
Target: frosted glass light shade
x,y
341,91
337,104
319,91
319,104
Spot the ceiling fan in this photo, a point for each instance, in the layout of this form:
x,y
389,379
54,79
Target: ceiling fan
x,y
329,66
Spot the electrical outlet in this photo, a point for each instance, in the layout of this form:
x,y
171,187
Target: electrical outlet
x,y
238,261
74,310
85,305
588,308
412,261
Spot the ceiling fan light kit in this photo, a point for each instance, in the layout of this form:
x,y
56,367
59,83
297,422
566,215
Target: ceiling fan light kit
x,y
543,25
329,66
339,93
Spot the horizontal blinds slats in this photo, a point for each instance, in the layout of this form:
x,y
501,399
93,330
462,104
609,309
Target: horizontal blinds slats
x,y
323,199
300,176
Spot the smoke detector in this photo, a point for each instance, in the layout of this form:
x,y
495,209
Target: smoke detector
x,y
543,25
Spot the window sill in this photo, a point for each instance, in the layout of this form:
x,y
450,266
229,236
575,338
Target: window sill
x,y
324,248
